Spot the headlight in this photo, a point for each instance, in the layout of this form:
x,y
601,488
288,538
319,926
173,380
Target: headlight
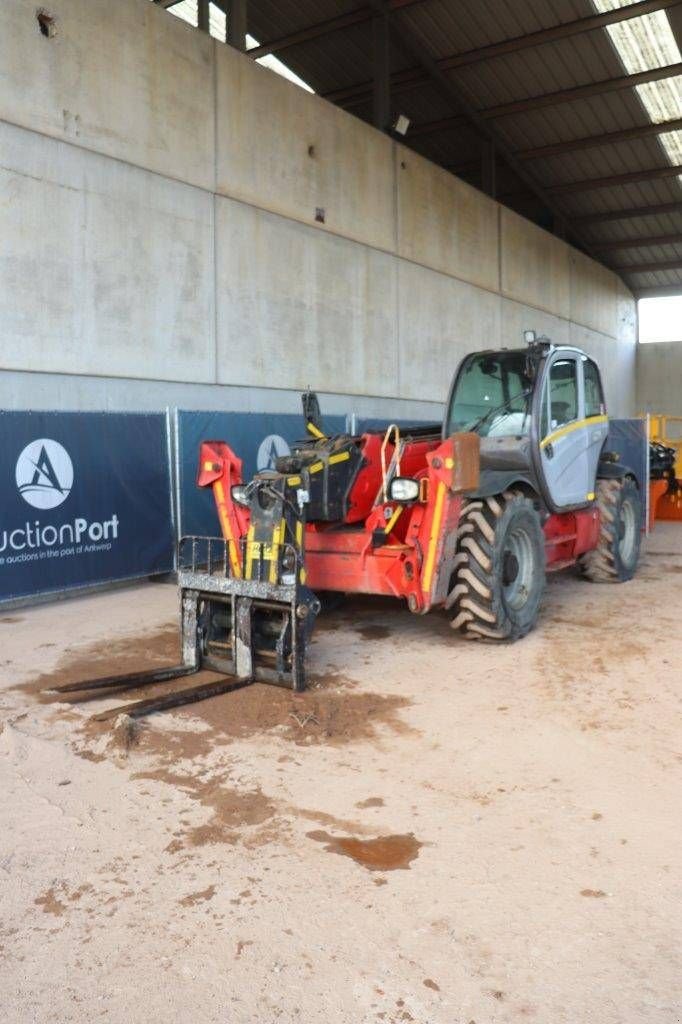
x,y
238,492
402,488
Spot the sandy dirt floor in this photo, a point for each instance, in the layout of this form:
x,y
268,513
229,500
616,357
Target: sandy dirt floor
x,y
436,832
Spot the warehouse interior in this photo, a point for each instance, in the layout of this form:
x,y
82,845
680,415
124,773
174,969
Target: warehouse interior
x,y
208,208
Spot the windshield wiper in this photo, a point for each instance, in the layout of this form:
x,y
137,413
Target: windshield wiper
x,y
473,427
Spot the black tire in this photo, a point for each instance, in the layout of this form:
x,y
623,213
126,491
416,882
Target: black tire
x,y
500,575
615,558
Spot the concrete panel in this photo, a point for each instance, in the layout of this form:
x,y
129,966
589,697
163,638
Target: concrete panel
x,y
298,306
287,151
104,268
441,319
444,223
119,78
594,294
515,318
626,314
20,390
659,378
535,265
616,360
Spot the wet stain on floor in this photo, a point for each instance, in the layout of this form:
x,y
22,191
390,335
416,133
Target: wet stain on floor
x,y
384,853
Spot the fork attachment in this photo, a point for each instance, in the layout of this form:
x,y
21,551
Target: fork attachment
x,y
250,628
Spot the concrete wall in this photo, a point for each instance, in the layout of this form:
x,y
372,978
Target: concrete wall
x,y
659,377
172,212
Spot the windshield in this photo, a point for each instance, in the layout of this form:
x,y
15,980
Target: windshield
x,y
492,396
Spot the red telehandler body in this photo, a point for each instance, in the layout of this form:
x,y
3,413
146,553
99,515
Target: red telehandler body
x,y
467,515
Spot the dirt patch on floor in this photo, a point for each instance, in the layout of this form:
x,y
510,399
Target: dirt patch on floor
x,y
233,810
50,903
193,898
331,711
116,657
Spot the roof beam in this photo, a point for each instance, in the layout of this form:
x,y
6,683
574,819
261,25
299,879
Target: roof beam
x,y
582,92
323,28
556,32
591,23
639,243
442,124
649,268
650,174
628,214
589,141
551,99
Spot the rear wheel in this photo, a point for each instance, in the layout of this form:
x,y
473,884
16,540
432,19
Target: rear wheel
x,y
500,576
615,558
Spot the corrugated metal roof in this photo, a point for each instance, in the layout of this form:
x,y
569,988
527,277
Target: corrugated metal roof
x,y
341,58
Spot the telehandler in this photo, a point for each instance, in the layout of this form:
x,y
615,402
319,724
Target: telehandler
x,y
520,479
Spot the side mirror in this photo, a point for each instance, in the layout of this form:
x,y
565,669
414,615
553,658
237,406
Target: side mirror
x,y
403,489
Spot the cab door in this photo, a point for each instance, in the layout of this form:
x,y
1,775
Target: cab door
x,y
563,432
597,424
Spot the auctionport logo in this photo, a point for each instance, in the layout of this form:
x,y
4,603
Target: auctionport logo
x,y
44,473
271,448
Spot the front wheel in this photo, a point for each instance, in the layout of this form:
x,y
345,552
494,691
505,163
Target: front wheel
x,y
500,575
615,558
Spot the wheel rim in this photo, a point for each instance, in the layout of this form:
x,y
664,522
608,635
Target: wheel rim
x,y
518,568
627,532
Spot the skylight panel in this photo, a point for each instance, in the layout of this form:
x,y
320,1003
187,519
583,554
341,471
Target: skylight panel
x,y
643,44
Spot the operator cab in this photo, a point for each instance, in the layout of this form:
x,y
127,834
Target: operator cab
x,y
541,417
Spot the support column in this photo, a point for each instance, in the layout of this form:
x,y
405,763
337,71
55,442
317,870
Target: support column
x,y
381,57
236,24
489,168
203,15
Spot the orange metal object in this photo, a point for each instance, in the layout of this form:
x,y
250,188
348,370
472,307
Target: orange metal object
x,y
220,469
662,505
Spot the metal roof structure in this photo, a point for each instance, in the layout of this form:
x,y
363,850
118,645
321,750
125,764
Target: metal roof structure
x,y
568,111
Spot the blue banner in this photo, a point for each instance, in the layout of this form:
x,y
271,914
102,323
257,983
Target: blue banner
x,y
256,438
84,498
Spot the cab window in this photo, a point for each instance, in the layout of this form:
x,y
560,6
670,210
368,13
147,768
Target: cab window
x,y
492,395
544,415
594,396
563,393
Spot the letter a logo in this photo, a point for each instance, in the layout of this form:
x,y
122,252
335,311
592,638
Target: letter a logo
x,y
44,473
